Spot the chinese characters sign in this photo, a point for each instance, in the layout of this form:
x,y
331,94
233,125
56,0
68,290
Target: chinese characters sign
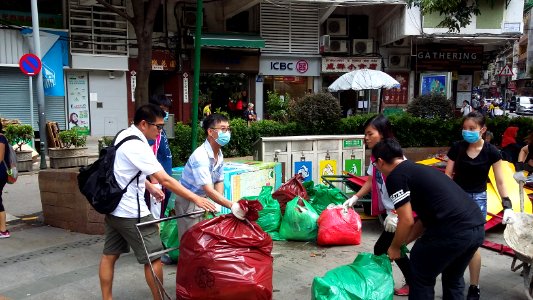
x,y
348,64
398,95
162,61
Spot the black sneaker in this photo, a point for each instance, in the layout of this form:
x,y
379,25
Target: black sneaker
x,y
473,293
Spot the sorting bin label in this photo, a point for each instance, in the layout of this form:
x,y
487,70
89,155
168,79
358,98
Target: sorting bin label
x,y
305,168
327,167
353,166
353,143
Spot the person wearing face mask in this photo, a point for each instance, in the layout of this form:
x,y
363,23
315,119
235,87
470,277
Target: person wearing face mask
x,y
161,149
203,173
468,165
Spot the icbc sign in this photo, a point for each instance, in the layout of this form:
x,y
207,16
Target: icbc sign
x,y
279,65
301,66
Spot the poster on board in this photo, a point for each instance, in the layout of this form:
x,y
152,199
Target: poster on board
x,y
464,83
461,96
78,102
434,83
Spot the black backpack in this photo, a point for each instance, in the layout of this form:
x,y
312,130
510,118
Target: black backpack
x,y
97,181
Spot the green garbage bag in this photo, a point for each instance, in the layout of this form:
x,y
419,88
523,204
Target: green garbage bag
x,y
309,188
168,231
270,215
299,221
325,196
369,277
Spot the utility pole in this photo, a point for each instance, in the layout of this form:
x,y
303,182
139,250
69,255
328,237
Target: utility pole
x,y
196,88
40,87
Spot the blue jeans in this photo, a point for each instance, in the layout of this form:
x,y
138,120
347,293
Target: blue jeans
x,y
481,201
446,253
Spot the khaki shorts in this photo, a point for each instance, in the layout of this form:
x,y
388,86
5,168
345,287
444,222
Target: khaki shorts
x,y
184,206
121,234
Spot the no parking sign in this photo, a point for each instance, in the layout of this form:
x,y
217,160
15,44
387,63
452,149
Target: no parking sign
x,y
30,64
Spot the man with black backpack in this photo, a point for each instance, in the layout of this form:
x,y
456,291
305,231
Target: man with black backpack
x,y
133,162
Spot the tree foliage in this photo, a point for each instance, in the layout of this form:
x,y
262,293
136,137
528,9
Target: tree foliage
x,y
457,13
142,21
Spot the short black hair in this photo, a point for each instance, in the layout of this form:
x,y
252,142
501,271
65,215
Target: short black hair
x,y
149,113
161,100
388,150
212,120
382,125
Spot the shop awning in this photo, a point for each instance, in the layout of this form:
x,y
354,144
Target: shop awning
x,y
232,41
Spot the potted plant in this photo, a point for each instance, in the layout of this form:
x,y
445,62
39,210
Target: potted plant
x,y
73,151
21,134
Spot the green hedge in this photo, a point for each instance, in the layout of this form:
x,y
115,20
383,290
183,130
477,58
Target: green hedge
x,y
410,131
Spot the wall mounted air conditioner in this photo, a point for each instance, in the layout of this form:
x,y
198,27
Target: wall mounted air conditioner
x,y
365,46
323,43
338,46
398,61
336,27
401,42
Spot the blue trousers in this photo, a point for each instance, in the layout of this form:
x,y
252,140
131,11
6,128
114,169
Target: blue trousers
x,y
446,253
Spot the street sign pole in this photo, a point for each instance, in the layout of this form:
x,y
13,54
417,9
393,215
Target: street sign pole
x,y
40,87
196,87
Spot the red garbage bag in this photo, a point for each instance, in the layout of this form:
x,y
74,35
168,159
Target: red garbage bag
x,y
289,190
339,226
225,258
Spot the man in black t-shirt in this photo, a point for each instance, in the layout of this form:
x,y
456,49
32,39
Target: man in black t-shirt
x,y
449,227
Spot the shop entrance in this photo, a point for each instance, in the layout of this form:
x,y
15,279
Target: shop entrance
x,y
228,92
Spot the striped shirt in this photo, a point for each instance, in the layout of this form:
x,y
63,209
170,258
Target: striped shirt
x,y
201,169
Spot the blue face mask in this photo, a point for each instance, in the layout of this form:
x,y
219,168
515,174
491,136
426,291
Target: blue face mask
x,y
223,138
471,136
166,116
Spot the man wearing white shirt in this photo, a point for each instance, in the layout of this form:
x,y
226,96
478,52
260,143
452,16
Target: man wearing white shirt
x,y
120,232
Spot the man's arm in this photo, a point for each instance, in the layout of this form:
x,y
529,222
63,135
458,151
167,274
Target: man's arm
x,y
174,186
216,193
154,190
403,231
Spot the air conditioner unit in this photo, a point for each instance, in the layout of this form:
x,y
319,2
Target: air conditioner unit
x,y
338,46
323,43
401,42
336,27
365,46
398,61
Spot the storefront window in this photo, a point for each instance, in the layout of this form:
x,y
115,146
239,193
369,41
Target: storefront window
x,y
353,102
294,86
225,91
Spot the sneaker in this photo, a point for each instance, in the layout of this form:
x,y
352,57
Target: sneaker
x,y
166,260
4,234
473,293
403,291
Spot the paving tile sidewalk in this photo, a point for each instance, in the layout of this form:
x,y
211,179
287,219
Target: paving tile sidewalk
x,y
42,262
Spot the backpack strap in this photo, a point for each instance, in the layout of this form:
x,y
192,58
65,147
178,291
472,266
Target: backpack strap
x,y
128,138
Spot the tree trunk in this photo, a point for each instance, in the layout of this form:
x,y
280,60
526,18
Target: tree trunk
x,y
143,73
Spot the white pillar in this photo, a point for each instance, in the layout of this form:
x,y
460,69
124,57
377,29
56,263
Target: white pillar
x,y
317,84
259,101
